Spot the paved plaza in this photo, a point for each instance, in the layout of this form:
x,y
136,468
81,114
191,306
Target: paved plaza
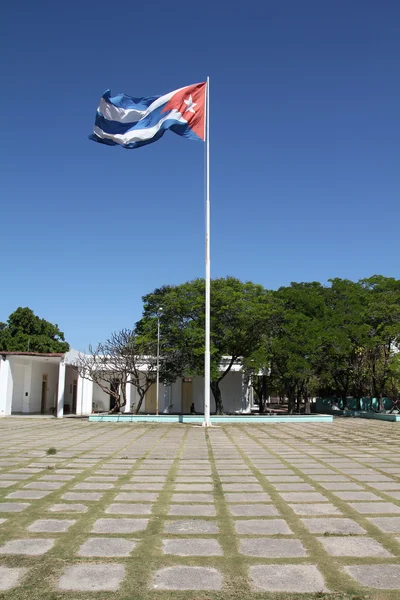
x,y
175,511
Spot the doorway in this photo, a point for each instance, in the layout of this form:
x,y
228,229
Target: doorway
x,y
74,395
187,394
44,394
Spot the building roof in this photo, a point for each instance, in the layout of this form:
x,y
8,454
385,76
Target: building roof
x,y
46,354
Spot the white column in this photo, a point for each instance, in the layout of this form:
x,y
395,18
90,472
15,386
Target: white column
x,y
87,397
127,407
245,393
6,387
79,394
61,389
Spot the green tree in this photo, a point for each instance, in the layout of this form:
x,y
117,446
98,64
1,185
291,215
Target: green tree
x,y
297,339
238,317
26,332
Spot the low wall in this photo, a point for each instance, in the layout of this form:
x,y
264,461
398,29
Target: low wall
x,y
265,419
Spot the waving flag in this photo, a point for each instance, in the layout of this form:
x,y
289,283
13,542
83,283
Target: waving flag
x,y
134,122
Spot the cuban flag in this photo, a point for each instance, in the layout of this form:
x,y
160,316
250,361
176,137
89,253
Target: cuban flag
x,y
133,122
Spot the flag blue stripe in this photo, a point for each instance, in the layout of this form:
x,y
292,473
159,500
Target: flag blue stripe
x,y
116,127
126,102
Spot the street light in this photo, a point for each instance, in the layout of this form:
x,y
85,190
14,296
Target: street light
x,y
158,356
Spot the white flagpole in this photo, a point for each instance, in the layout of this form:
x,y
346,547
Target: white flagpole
x,y
207,379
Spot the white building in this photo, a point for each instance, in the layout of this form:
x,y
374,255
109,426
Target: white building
x,y
36,383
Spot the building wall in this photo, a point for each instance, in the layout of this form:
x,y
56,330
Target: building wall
x,y
101,400
38,369
18,376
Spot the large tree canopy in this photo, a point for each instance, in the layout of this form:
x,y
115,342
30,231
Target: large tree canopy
x,y
238,321
299,341
26,332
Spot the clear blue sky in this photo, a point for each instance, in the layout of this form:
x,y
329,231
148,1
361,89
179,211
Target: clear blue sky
x,y
305,169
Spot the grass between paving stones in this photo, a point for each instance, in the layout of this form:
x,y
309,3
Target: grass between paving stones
x,y
46,569
148,556
330,566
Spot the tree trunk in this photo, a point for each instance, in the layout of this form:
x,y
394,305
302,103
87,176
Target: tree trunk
x,y
307,410
217,397
141,398
116,407
263,396
291,403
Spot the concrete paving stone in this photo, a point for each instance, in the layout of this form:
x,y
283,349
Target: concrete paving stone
x,y
383,577
106,547
196,497
331,478
272,548
152,473
193,487
143,486
187,477
336,525
341,486
237,479
147,479
2,521
303,497
357,496
120,473
102,478
119,525
136,497
251,497
193,510
28,470
56,478
386,524
375,508
44,485
14,476
385,487
253,510
7,484
129,509
93,486
377,477
287,578
27,495
105,577
68,471
233,472
79,508
313,510
51,525
10,577
262,527
13,506
187,578
242,487
353,546
293,487
91,496
28,547
192,547
193,527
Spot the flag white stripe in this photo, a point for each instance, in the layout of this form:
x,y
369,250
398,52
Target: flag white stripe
x,y
139,135
132,115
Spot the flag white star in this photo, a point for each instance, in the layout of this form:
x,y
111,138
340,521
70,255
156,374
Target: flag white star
x,y
190,104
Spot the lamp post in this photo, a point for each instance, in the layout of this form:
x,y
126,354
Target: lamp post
x,y
158,358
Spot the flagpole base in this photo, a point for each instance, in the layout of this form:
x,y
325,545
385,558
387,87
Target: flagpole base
x,y
206,423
